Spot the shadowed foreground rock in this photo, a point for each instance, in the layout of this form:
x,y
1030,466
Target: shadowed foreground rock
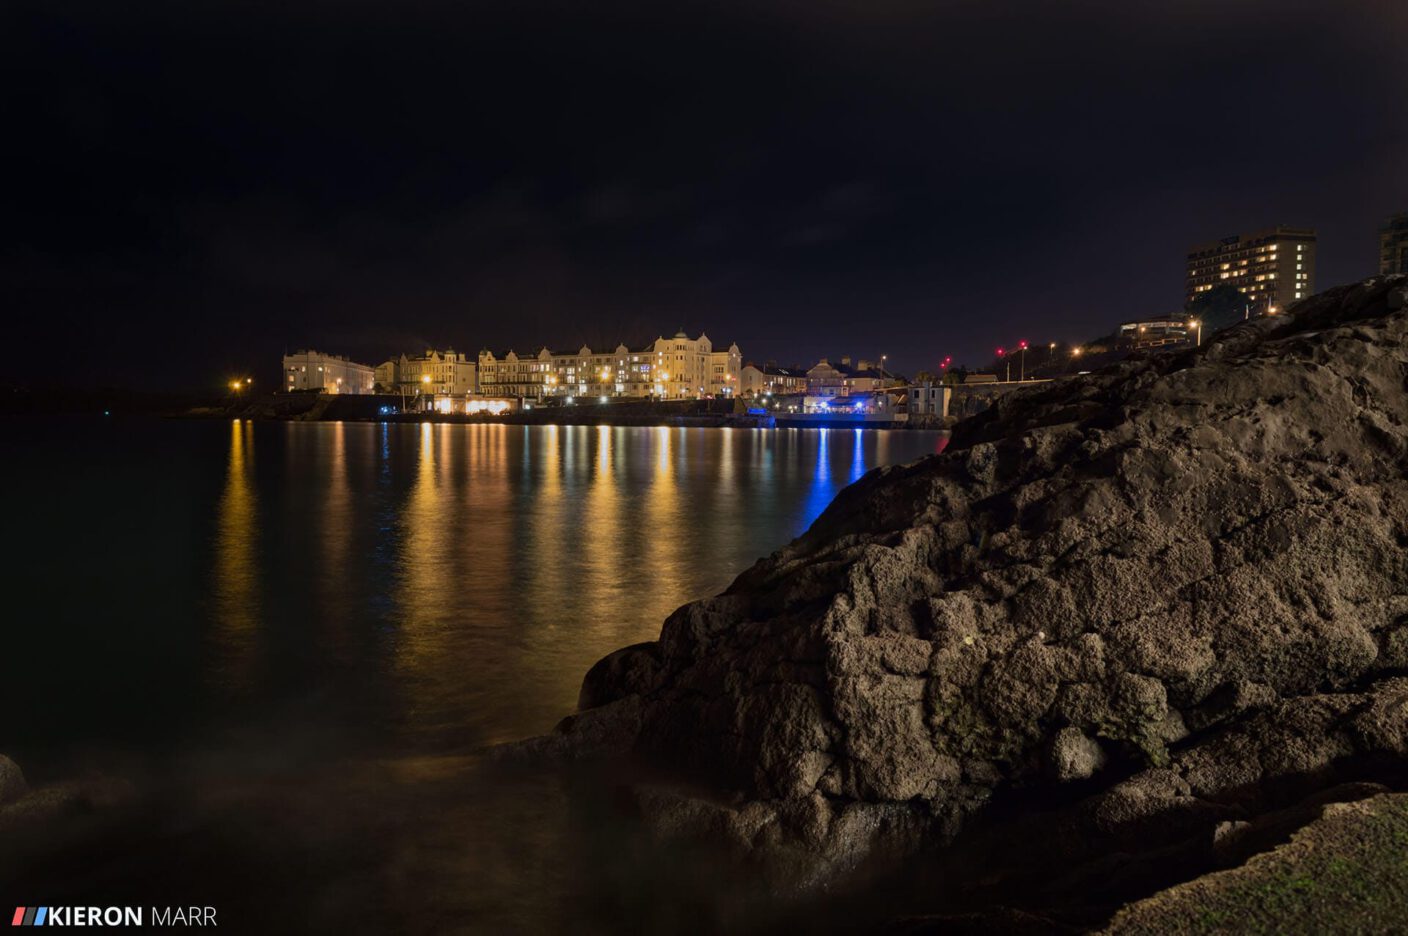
x,y
1345,872
1177,586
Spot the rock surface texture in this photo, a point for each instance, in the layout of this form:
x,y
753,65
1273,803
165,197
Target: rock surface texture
x,y
1180,584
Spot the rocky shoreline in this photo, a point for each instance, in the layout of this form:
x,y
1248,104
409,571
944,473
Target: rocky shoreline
x,y
1124,631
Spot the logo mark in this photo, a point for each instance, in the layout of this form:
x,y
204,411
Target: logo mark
x,y
30,916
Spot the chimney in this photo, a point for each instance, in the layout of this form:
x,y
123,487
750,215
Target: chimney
x,y
846,361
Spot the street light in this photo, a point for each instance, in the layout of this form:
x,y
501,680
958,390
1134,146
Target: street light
x,y
1022,374
1195,323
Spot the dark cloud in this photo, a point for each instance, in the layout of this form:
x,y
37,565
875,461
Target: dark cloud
x,y
216,182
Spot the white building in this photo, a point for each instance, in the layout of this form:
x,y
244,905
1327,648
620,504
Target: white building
x,y
928,399
328,373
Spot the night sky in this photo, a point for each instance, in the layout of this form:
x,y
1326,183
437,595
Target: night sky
x,y
194,187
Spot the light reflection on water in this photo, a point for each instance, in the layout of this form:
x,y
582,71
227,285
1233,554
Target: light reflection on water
x,y
412,587
236,575
498,562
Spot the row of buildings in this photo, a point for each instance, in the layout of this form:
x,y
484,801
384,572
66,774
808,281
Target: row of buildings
x,y
677,368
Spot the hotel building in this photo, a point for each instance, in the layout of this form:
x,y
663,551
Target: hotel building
x,y
670,368
1272,268
1393,245
327,373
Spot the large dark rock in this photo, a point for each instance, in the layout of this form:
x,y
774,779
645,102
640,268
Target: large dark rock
x,y
1175,583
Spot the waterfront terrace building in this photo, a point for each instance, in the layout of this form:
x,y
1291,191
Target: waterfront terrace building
x,y
764,379
1272,268
668,368
327,373
441,373
726,372
1393,245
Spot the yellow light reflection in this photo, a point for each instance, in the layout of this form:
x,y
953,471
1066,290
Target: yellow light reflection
x,y
602,534
668,530
548,534
335,520
425,591
236,590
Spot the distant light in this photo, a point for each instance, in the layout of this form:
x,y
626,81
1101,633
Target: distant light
x,y
107,412
602,400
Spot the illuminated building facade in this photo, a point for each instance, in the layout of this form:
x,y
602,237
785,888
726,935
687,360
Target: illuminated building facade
x,y
437,373
726,372
1393,245
328,373
669,368
1272,268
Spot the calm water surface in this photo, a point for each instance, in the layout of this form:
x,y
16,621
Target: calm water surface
x,y
412,588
